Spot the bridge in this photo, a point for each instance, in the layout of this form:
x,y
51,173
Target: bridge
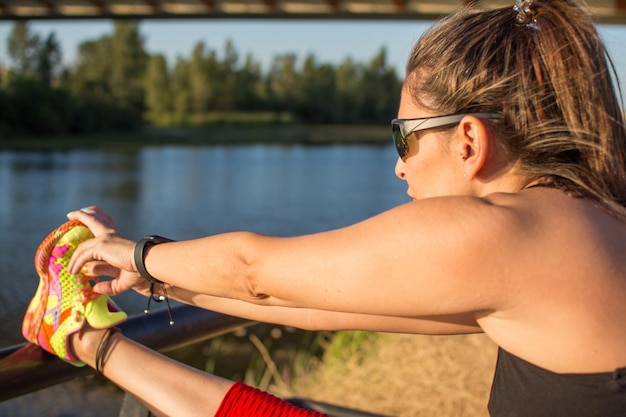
x,y
606,11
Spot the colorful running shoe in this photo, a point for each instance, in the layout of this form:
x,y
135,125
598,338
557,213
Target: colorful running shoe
x,y
64,301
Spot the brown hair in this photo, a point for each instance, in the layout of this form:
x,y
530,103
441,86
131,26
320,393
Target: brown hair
x,y
552,80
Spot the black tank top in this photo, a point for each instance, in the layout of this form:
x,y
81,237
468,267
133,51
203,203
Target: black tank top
x,y
521,389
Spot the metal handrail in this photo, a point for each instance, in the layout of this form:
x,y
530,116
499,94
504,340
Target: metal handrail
x,y
26,368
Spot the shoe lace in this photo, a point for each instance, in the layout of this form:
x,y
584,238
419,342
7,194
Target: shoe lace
x,y
86,294
86,289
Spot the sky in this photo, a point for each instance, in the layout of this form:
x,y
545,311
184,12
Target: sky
x,y
330,41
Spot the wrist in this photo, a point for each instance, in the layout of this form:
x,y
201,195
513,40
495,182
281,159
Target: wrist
x,y
139,255
84,344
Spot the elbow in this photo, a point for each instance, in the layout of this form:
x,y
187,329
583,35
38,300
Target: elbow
x,y
248,269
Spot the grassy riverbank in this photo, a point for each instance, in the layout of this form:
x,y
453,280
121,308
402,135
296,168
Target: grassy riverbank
x,y
401,375
233,134
397,375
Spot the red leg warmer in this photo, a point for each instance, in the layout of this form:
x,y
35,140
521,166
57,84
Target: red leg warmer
x,y
244,401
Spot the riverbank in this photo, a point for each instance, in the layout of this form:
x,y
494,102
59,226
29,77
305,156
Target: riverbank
x,y
402,375
223,135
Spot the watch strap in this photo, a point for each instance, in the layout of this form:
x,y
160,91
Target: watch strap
x,y
140,252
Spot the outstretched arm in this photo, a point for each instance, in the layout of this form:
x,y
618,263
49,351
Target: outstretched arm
x,y
314,319
307,318
412,261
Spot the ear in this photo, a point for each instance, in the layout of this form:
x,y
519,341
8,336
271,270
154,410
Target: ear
x,y
475,141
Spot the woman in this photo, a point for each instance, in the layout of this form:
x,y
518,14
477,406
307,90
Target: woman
x,y
513,146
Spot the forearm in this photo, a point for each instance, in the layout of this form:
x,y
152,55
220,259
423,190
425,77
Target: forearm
x,y
313,319
169,388
218,265
166,387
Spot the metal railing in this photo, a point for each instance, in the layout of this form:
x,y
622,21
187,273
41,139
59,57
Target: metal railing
x,y
27,368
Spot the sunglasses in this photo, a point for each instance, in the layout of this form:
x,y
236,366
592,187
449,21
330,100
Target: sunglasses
x,y
402,128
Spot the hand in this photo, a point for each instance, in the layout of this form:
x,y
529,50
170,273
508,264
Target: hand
x,y
108,253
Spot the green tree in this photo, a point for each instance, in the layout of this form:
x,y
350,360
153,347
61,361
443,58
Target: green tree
x,y
249,90
201,74
226,79
23,47
49,59
157,87
379,90
89,77
182,94
316,91
128,66
347,83
105,82
282,82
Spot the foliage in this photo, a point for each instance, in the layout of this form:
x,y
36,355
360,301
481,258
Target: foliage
x,y
349,344
22,47
115,84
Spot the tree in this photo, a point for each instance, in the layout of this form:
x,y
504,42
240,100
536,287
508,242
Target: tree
x,y
282,81
89,77
49,58
379,90
226,79
108,80
128,65
157,87
23,47
348,83
316,91
201,74
182,90
249,90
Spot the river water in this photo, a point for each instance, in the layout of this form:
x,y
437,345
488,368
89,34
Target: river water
x,y
181,192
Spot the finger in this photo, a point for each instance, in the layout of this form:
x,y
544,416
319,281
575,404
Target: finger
x,y
98,269
75,265
83,254
114,287
95,219
89,210
90,220
103,287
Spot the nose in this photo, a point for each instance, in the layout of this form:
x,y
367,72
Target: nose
x,y
399,169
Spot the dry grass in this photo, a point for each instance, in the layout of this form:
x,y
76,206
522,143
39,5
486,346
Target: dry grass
x,y
403,375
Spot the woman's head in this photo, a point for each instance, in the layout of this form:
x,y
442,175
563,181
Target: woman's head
x,y
543,66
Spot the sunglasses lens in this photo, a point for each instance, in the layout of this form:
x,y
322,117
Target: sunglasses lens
x,y
399,140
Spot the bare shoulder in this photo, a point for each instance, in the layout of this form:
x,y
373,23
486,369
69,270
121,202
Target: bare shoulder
x,y
537,228
513,247
546,212
563,283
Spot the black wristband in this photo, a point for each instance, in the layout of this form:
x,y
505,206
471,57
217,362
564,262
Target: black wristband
x,y
140,249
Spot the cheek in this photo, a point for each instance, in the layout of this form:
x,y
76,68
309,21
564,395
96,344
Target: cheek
x,y
423,166
419,175
428,177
